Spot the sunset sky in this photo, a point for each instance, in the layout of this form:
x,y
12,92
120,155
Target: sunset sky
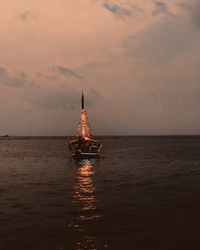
x,y
138,62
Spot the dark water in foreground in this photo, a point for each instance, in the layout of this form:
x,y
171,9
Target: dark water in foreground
x,y
143,193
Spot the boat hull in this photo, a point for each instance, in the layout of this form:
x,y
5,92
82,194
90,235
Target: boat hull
x,y
85,155
85,148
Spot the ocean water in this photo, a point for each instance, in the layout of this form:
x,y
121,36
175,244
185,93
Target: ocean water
x,y
142,193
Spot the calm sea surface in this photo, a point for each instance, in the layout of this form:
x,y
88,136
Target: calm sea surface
x,y
142,193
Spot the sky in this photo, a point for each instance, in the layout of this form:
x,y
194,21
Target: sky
x,y
138,62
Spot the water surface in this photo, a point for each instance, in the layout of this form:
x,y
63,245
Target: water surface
x,y
143,193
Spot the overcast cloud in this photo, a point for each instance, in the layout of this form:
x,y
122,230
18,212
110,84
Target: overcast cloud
x,y
137,62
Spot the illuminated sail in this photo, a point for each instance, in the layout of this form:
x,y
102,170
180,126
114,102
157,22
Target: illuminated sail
x,y
84,129
84,146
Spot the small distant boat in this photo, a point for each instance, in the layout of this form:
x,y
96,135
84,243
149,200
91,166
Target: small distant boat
x,y
84,146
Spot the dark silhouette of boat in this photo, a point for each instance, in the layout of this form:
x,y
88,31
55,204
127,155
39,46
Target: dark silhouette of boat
x,y
84,146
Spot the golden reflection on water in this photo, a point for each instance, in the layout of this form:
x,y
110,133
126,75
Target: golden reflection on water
x,y
84,188
85,202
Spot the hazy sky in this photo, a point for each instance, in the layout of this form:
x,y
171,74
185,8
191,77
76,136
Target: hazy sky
x,y
138,62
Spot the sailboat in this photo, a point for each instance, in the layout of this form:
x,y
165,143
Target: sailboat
x,y
84,146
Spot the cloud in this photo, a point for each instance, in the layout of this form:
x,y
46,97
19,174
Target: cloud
x,y
162,8
18,81
26,16
161,42
185,5
2,72
96,94
67,72
117,10
196,14
193,9
58,100
93,97
158,53
63,97
12,81
127,8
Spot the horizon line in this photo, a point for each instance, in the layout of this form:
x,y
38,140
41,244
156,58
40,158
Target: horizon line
x,y
110,135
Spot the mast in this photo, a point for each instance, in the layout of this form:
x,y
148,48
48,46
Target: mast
x,y
82,101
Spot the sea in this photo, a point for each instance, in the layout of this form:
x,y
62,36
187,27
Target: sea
x,y
142,193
